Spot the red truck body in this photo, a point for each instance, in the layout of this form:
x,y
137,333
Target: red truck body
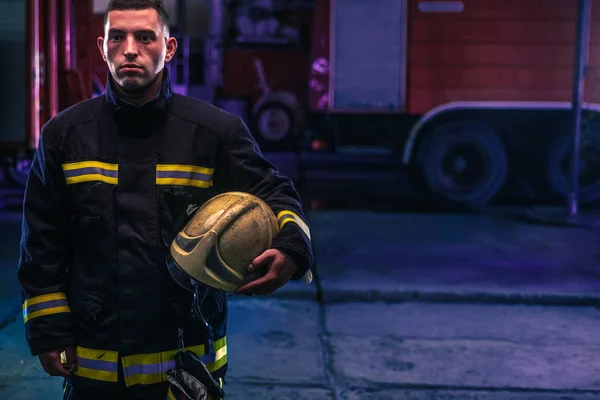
x,y
510,50
478,86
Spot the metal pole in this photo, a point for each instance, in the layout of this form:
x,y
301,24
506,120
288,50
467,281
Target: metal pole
x,y
582,43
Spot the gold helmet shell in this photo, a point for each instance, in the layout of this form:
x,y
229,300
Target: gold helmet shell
x,y
221,240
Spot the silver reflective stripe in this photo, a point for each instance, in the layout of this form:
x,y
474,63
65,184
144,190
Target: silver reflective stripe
x,y
145,369
183,175
91,170
99,365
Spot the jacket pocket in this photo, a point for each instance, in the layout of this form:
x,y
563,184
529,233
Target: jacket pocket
x,y
92,263
93,199
177,205
86,305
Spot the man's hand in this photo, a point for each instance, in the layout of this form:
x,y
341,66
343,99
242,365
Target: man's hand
x,y
279,269
53,365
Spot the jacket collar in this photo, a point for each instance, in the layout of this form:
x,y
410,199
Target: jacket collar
x,y
159,102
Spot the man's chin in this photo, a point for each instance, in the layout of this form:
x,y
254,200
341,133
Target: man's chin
x,y
132,85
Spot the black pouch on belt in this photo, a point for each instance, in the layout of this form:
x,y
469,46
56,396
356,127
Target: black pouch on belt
x,y
191,379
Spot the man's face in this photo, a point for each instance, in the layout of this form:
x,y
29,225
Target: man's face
x,y
135,47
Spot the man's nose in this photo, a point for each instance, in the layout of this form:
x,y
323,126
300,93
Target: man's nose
x,y
131,49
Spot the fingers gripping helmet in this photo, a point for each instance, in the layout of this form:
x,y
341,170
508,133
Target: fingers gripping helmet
x,y
219,242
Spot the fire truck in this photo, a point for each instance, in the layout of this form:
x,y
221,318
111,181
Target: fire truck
x,y
464,96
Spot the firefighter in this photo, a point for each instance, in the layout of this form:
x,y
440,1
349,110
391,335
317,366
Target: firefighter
x,y
113,181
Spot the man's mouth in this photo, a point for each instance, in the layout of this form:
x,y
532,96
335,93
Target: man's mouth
x,y
130,68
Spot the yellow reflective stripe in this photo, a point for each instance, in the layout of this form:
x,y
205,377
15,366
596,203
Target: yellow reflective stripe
x,y
92,177
184,182
90,171
100,365
90,164
93,354
220,348
46,311
220,360
220,343
184,175
96,374
46,304
293,218
45,297
151,359
146,379
170,394
184,168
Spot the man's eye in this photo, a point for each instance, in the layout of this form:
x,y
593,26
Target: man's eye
x,y
116,38
145,38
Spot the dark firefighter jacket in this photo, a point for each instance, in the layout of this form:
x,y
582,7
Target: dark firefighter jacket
x,y
109,189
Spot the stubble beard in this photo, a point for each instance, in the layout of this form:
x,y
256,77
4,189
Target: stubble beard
x,y
135,85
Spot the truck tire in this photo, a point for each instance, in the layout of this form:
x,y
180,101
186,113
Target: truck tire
x,y
463,163
274,126
556,166
18,172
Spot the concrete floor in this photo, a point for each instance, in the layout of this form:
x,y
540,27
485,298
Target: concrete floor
x,y
405,306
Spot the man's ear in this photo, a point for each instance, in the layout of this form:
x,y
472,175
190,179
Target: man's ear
x,y
171,49
100,44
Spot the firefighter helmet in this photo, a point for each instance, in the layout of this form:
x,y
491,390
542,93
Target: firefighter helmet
x,y
220,240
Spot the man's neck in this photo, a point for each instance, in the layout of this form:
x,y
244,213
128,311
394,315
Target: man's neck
x,y
141,98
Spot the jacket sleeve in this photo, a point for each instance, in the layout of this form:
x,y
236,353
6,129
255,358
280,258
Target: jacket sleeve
x,y
242,167
45,252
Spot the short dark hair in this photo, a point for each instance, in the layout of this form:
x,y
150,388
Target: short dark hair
x,y
158,5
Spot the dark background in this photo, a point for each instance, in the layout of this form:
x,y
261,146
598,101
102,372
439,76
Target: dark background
x,y
433,280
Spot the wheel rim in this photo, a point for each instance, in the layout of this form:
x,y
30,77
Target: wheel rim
x,y
274,124
462,167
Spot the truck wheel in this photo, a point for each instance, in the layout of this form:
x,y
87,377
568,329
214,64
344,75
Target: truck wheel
x,y
17,172
464,163
556,166
274,125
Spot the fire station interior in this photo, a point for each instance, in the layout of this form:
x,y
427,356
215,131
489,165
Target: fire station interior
x,y
447,154
406,96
